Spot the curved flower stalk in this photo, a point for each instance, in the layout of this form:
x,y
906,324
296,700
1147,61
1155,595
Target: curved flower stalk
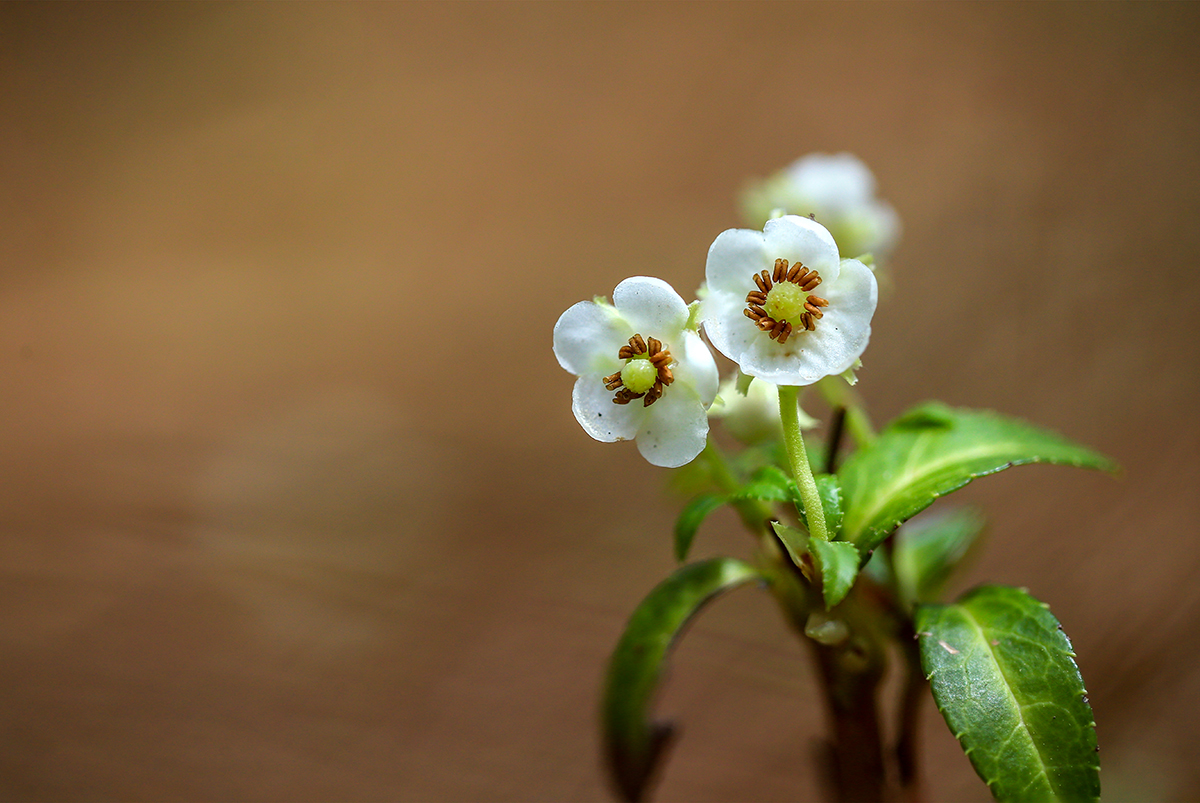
x,y
840,191
643,373
783,305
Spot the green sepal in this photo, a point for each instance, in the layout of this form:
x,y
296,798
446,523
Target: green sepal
x,y
633,744
690,519
933,450
1004,677
927,550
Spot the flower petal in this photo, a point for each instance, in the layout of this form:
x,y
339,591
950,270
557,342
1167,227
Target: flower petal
x,y
800,239
587,338
733,258
727,327
696,367
651,306
674,429
832,184
593,407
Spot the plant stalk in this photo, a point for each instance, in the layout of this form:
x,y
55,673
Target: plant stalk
x,y
793,441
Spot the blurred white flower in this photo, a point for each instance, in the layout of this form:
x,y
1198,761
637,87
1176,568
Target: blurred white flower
x,y
765,312
642,372
840,191
752,417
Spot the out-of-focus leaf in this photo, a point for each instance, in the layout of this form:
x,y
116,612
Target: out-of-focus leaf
x,y
1004,677
928,549
690,519
633,744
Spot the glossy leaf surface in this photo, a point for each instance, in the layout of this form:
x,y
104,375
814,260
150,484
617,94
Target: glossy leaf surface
x,y
633,744
1005,679
933,450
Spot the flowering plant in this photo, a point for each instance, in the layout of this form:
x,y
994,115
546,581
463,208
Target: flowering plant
x,y
835,528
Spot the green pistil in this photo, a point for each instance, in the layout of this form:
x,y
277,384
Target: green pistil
x,y
785,302
639,375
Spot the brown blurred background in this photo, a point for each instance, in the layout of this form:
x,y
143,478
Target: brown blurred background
x,y
292,504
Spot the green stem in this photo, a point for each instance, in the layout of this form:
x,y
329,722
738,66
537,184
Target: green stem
x,y
793,441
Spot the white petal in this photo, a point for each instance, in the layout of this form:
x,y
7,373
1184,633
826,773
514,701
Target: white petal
x,y
885,227
832,183
593,406
727,327
733,259
798,239
587,338
843,333
651,306
674,429
839,339
696,368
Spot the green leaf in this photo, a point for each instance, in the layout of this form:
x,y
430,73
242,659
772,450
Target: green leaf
x,y
633,744
839,562
795,541
933,450
769,484
690,519
930,547
1004,677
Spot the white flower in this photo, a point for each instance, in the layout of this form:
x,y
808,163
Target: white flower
x,y
752,416
783,306
642,372
840,191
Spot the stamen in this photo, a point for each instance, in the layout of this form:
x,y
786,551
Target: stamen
x,y
652,350
780,272
756,301
625,396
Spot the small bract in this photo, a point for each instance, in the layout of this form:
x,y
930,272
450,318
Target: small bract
x,y
783,305
840,190
643,374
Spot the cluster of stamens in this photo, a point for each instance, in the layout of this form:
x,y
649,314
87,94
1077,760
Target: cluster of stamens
x,y
797,274
649,349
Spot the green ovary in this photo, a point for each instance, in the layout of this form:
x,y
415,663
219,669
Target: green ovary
x,y
638,375
785,302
